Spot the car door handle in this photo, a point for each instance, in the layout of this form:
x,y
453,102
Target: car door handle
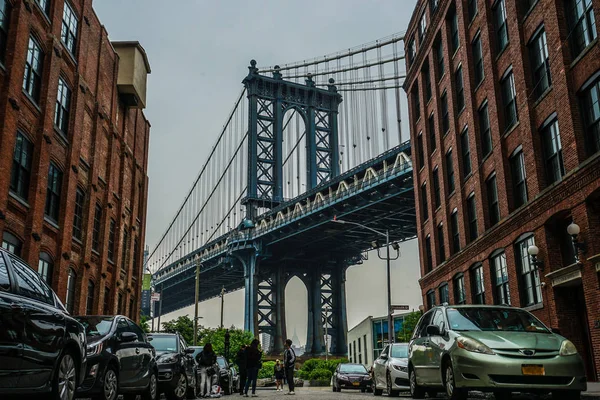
x,y
137,351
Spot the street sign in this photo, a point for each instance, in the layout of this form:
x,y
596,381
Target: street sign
x,y
156,296
401,307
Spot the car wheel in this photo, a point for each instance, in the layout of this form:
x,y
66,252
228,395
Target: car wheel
x,y
451,391
503,395
333,389
416,391
391,392
110,389
566,395
192,391
179,391
151,392
65,381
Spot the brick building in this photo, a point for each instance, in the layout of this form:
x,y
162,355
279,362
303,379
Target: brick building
x,y
505,122
73,153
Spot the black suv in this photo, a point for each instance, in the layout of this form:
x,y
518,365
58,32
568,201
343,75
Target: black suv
x,y
42,349
120,360
176,366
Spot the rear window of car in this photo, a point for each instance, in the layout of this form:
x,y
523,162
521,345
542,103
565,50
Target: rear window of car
x,y
96,326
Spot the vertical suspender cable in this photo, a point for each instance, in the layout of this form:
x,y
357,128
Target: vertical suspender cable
x,y
397,90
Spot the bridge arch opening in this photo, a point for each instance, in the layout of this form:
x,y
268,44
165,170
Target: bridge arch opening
x,y
296,311
294,151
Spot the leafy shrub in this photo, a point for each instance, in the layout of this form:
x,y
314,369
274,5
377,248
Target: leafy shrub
x,y
316,364
321,374
267,370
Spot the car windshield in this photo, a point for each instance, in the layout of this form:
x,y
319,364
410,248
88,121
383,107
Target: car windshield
x,y
399,351
493,319
221,362
164,343
96,326
353,369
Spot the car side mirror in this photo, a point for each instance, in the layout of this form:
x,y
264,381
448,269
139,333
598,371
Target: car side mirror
x,y
383,356
433,330
555,330
149,338
127,337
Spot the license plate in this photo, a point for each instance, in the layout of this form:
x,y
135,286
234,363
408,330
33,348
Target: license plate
x,y
536,370
356,383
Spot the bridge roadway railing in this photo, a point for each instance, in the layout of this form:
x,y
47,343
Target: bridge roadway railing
x,y
357,180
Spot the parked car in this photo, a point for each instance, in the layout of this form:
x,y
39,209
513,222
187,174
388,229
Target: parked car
x,y
236,379
42,348
351,376
390,370
120,360
176,366
493,349
197,350
226,376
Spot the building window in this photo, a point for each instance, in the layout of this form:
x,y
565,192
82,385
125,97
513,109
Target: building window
x,y
428,254
32,79
472,9
445,116
460,89
63,104
45,268
527,5
97,228
44,5
436,189
106,305
420,150
11,243
501,26
120,303
111,240
441,247
540,63
492,194
444,295
453,17
366,350
477,59
21,167
553,159
125,249
433,4
472,215
68,33
424,208
591,111
455,232
78,215
71,280
136,256
430,299
478,288
416,102
459,289
450,171
517,166
466,152
4,21
89,305
439,51
412,51
509,100
500,273
529,279
484,131
432,143
53,192
427,79
582,24
422,27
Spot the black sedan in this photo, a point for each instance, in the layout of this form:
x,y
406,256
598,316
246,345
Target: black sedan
x,y
120,360
42,349
176,366
351,376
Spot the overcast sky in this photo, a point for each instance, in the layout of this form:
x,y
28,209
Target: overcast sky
x,y
199,52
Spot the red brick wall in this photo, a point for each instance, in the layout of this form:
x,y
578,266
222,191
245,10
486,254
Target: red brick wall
x,y
105,154
575,197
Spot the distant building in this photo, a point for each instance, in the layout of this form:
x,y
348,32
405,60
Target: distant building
x,y
73,153
367,339
298,348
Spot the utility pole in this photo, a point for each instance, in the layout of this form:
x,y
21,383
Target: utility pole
x,y
391,333
197,299
222,304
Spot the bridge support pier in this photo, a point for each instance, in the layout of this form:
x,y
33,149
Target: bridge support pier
x,y
251,294
271,310
339,322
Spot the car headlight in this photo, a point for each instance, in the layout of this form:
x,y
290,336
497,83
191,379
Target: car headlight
x,y
567,348
94,349
401,368
473,345
167,359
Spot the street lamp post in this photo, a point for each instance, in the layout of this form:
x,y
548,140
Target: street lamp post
x,y
222,304
389,271
197,299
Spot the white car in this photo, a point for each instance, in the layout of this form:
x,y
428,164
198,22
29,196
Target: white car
x,y
390,370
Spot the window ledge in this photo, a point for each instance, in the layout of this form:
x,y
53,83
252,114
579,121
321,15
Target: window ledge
x,y
95,252
473,19
543,96
461,111
480,84
466,178
534,307
429,101
78,241
511,130
2,67
50,222
502,51
32,101
452,193
528,13
583,53
62,137
18,198
441,78
456,51
46,17
433,152
71,56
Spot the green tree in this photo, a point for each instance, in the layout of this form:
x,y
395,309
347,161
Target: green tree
x,y
144,323
184,325
216,336
410,322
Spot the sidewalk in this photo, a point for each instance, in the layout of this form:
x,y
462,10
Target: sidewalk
x,y
593,389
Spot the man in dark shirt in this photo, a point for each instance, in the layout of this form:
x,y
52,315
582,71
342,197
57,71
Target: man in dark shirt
x,y
240,360
289,363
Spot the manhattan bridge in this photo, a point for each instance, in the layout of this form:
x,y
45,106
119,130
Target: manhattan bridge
x,y
305,143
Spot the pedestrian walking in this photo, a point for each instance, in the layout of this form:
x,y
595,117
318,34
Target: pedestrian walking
x,y
279,373
289,364
240,360
253,361
207,361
